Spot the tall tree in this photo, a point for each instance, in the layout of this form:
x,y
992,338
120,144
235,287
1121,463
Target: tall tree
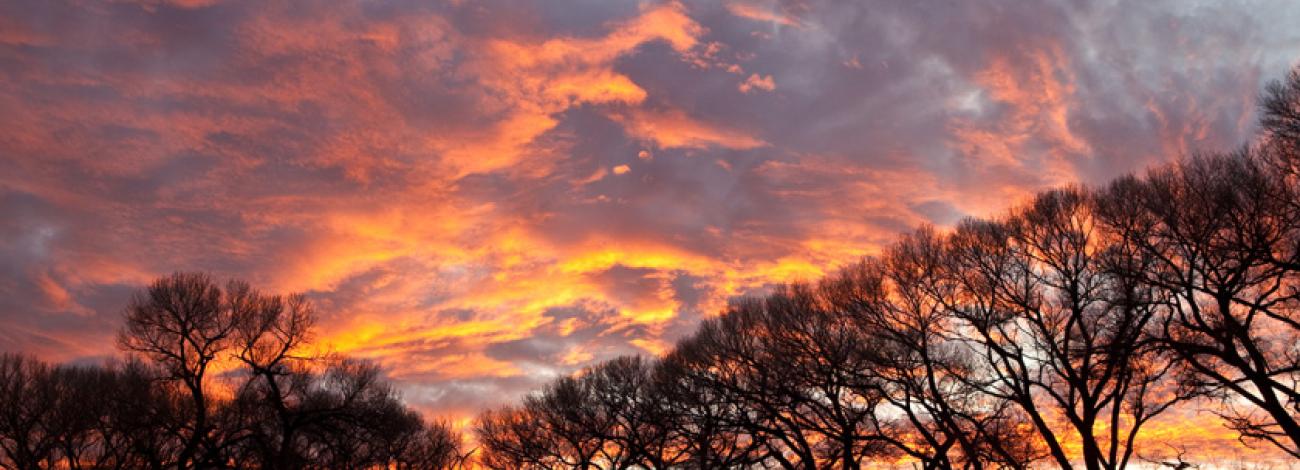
x,y
184,322
1223,247
924,372
1060,332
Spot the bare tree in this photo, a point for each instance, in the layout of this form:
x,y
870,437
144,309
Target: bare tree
x,y
1077,318
1058,331
272,405
269,334
831,380
925,374
29,400
434,446
578,430
642,431
82,441
1223,247
700,418
139,412
510,438
794,375
353,418
1280,122
183,322
727,356
79,416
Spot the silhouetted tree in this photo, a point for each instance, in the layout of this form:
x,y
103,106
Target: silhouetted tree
x,y
700,418
794,377
1280,122
29,400
81,417
622,392
925,373
1224,246
510,437
831,381
727,356
433,446
1061,333
271,407
184,323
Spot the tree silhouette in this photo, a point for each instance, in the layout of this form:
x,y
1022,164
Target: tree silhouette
x,y
1223,237
272,406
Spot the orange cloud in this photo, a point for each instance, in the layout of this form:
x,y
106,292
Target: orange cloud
x,y
675,129
757,82
1037,88
535,81
749,10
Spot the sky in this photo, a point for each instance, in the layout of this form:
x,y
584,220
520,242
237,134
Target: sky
x,y
482,195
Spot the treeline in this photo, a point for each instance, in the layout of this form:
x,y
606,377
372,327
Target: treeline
x,y
217,377
1051,336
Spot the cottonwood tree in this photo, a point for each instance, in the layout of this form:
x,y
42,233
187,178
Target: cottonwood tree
x,y
353,419
1059,332
563,426
78,417
436,445
925,374
792,375
269,334
510,438
700,418
138,412
831,383
184,323
87,395
1224,248
727,356
28,402
642,430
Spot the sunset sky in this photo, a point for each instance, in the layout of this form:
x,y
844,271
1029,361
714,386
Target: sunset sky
x,y
483,195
